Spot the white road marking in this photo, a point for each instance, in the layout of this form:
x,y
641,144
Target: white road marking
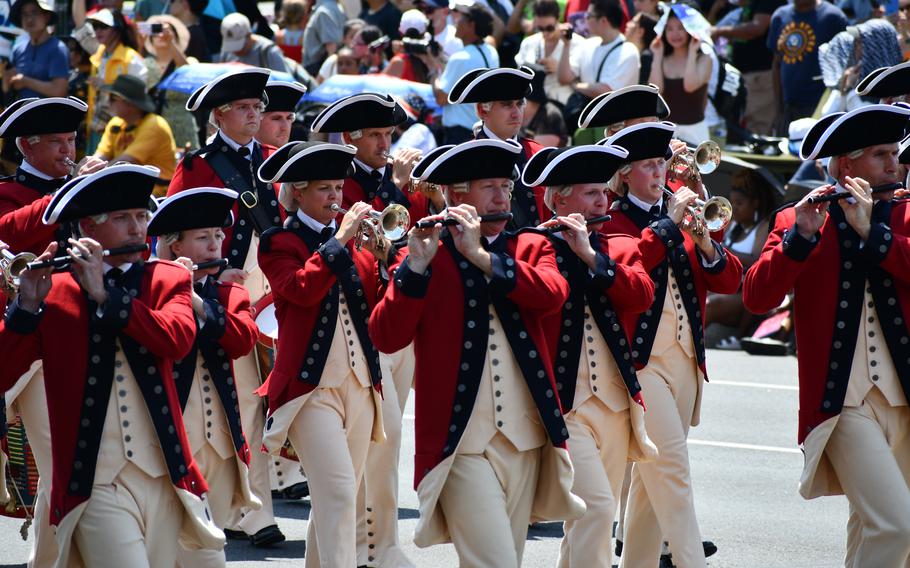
x,y
754,385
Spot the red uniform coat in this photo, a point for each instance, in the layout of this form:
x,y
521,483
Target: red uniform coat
x,y
362,187
662,242
160,319
445,314
824,276
21,208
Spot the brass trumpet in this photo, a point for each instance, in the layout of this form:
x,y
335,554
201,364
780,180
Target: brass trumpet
x,y
392,223
11,266
688,167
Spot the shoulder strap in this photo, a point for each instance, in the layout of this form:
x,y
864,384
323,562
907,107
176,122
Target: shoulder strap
x,y
604,61
482,54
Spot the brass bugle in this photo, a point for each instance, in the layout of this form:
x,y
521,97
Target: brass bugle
x,y
73,166
217,263
11,266
588,222
64,261
884,188
450,222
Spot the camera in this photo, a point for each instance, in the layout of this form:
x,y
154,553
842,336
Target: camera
x,y
420,46
148,29
157,28
567,33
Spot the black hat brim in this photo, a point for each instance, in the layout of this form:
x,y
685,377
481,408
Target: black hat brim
x,y
245,83
488,85
283,96
842,133
197,208
628,103
644,141
572,165
115,188
886,82
34,116
356,112
472,160
308,161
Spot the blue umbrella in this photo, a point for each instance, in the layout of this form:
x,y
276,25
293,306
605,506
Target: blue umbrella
x,y
188,78
340,86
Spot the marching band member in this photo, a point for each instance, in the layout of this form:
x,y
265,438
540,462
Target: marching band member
x,y
847,262
499,97
324,391
592,363
44,130
667,342
490,433
888,84
366,122
236,101
189,226
125,486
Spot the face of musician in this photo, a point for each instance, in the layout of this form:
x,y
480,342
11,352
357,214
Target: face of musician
x,y
877,165
614,128
317,197
121,228
503,118
241,121
200,245
645,179
589,199
48,155
487,196
371,144
275,128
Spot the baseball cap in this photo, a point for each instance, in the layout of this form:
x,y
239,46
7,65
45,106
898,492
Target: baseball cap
x,y
235,28
413,19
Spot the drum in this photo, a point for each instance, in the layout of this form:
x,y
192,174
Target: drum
x,y
264,314
22,473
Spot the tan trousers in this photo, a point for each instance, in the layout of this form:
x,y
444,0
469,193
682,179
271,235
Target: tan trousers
x,y
487,501
760,105
134,521
284,473
870,452
331,435
661,503
599,447
222,478
619,531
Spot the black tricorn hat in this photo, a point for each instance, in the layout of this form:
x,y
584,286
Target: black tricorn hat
x,y
627,103
245,83
365,110
471,160
283,96
115,188
886,82
844,132
197,208
34,116
306,161
591,163
644,141
487,85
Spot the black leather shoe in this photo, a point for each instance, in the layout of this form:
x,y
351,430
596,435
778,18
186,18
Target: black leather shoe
x,y
617,549
267,537
235,535
666,561
297,491
710,548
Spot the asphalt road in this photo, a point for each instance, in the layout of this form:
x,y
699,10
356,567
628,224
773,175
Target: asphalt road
x,y
745,468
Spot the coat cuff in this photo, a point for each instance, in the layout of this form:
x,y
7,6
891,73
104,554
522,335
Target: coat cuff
x,y
336,256
215,323
21,321
667,231
797,247
115,312
411,283
604,273
720,260
503,278
878,244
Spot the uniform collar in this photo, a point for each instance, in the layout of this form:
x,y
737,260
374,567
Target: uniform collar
x,y
644,205
234,145
30,169
313,223
368,169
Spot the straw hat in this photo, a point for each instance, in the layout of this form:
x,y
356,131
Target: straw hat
x,y
183,33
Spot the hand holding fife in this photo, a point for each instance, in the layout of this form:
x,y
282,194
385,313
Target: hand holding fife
x,y
858,213
88,267
34,285
423,244
576,235
811,216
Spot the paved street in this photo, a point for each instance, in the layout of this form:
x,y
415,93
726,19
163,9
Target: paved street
x,y
745,466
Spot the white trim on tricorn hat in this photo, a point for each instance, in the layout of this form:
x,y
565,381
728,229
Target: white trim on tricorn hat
x,y
893,81
903,154
371,102
132,192
36,116
293,152
483,162
282,95
842,133
209,207
635,107
198,100
556,166
503,80
630,135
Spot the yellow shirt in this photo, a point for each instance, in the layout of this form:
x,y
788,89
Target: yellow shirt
x,y
150,143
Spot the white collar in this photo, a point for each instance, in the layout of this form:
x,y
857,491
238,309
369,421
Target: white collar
x,y
203,280
123,267
368,169
618,39
493,136
237,145
641,204
30,169
491,240
313,223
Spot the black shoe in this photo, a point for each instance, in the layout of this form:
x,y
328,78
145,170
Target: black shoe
x,y
297,491
763,346
710,548
617,550
666,561
235,535
267,537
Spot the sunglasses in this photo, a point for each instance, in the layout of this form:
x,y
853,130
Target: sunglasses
x,y
546,29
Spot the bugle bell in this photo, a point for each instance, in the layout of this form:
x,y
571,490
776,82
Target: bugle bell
x,y
11,266
392,223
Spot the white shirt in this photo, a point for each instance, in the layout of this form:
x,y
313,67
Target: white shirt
x,y
237,145
30,169
619,70
447,40
642,204
533,49
313,223
493,136
368,169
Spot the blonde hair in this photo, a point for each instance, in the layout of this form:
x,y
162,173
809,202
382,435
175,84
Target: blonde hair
x,y
286,195
834,169
616,185
554,190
